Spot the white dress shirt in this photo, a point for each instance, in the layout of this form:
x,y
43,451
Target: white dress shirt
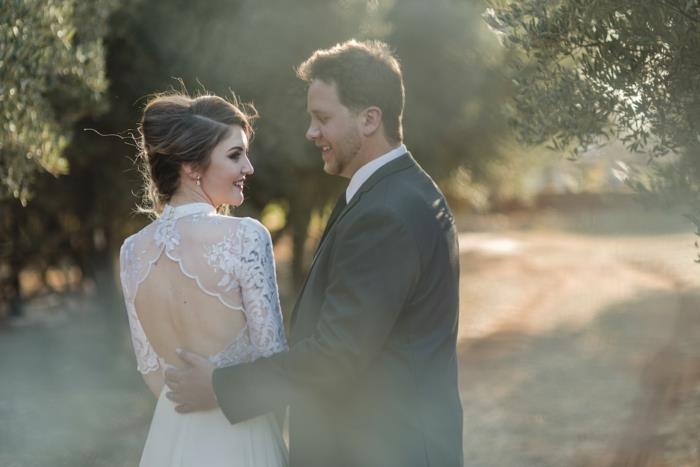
x,y
366,171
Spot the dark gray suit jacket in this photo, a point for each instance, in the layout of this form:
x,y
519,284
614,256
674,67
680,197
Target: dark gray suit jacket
x,y
371,374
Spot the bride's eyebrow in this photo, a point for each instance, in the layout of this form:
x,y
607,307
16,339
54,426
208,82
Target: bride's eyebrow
x,y
236,147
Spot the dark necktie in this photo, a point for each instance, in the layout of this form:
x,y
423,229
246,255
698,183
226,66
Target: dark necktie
x,y
339,206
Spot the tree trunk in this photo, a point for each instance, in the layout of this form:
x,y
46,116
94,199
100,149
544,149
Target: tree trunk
x,y
13,286
98,266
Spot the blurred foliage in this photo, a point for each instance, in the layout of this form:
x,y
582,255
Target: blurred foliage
x,y
454,83
455,86
592,71
51,74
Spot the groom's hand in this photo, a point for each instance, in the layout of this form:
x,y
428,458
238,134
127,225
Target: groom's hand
x,y
191,387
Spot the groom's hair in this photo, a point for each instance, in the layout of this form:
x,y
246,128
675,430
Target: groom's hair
x,y
366,73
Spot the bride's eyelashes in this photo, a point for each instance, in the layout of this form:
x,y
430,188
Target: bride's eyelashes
x,y
236,155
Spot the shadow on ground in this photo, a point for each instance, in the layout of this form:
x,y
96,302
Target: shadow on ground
x,y
621,390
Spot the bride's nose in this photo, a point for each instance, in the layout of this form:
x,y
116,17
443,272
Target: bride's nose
x,y
248,167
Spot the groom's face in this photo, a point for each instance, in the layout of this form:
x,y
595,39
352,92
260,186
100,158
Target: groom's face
x,y
334,129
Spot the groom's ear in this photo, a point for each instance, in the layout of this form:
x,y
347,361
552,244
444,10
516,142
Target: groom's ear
x,y
371,120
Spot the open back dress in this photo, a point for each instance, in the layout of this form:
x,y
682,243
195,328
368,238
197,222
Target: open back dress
x,y
205,282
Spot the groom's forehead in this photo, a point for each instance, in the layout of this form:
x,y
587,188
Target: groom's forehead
x,y
322,94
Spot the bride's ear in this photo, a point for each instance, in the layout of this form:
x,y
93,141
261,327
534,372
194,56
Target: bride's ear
x,y
189,171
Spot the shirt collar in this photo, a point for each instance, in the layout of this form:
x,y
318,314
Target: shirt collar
x,y
366,171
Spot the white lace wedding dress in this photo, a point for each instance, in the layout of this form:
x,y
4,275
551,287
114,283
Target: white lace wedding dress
x,y
196,279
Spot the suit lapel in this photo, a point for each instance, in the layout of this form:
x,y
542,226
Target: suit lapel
x,y
400,163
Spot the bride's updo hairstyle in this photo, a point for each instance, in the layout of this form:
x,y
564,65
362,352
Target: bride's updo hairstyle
x,y
177,129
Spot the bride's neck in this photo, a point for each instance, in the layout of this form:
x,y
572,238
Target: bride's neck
x,y
187,195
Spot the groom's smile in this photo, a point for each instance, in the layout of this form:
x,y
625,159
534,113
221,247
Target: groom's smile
x,y
333,129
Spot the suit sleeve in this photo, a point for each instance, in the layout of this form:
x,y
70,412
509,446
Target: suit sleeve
x,y
375,268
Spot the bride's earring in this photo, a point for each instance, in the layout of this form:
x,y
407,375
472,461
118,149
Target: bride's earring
x,y
199,180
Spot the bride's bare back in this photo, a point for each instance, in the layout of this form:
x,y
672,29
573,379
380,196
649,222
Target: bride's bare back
x,y
175,313
201,281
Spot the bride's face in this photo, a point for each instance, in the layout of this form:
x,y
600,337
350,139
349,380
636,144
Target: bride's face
x,y
224,179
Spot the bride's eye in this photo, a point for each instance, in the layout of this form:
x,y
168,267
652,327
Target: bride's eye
x,y
235,156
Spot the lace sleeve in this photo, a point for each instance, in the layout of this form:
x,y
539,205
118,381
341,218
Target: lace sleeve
x,y
258,282
146,358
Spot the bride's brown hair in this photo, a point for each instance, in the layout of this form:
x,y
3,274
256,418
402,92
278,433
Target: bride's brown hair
x,y
178,129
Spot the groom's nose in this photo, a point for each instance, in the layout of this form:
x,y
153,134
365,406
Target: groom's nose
x,y
312,133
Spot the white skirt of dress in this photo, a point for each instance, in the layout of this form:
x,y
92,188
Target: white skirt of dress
x,y
209,439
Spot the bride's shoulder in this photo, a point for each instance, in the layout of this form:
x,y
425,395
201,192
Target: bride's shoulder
x,y
236,221
133,238
247,227
253,224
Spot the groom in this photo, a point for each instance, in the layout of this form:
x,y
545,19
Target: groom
x,y
371,373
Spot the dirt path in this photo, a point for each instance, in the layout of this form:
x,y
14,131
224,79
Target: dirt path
x,y
579,350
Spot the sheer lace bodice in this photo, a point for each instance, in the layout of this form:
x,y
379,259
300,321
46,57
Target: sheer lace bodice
x,y
227,258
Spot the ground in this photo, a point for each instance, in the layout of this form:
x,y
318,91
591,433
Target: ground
x,y
580,341
579,346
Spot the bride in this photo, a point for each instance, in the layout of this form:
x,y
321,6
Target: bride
x,y
194,278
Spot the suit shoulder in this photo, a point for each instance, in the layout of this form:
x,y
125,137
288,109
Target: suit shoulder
x,y
410,190
412,196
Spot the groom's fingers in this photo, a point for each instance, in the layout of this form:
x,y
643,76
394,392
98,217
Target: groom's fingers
x,y
183,408
192,358
172,377
173,396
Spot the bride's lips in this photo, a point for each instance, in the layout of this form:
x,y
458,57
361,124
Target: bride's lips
x,y
240,184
